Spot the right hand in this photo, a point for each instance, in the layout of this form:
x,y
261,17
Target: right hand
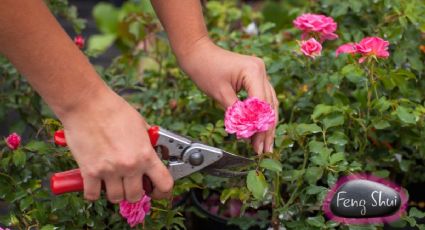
x,y
109,140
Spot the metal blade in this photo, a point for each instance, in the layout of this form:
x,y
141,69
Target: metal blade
x,y
224,172
222,167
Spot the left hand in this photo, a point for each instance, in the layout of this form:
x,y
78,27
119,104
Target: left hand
x,y
221,74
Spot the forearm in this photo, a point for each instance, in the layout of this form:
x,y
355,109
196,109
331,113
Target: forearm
x,y
35,43
183,21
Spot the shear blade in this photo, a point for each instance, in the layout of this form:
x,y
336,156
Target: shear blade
x,y
222,167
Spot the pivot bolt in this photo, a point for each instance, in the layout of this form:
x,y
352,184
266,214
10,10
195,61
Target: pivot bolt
x,y
196,158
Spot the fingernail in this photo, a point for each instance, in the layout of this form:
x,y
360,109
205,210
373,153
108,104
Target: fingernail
x,y
260,148
270,148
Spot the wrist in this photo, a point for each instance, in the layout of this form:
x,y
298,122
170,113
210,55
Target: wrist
x,y
184,52
88,99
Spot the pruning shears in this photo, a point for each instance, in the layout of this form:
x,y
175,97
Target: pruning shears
x,y
184,157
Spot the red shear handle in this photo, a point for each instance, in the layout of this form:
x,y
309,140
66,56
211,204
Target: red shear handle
x,y
71,181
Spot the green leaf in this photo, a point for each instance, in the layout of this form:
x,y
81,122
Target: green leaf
x,y
314,189
48,227
313,174
228,193
382,104
405,116
106,17
25,203
381,124
414,212
256,184
322,158
317,221
292,175
320,110
333,120
271,164
37,146
316,146
304,129
338,138
100,43
266,26
337,157
19,157
353,73
382,173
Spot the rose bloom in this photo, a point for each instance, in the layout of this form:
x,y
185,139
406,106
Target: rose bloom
x,y
311,48
245,118
373,46
79,41
367,47
135,213
13,141
316,24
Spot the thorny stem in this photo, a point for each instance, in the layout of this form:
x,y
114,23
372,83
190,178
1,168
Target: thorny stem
x,y
369,91
275,202
324,138
299,181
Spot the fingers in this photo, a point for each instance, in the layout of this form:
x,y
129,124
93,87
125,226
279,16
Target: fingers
x,y
133,188
91,188
258,142
270,134
114,189
161,179
258,85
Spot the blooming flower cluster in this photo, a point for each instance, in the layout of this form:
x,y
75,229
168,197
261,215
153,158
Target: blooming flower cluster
x,y
13,141
316,25
135,213
245,118
315,29
375,47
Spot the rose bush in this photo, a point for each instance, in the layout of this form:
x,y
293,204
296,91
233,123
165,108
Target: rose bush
x,y
337,116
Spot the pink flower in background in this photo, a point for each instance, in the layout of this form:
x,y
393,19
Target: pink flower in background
x,y
79,41
373,46
316,25
311,48
13,141
4,228
348,48
367,47
245,118
135,212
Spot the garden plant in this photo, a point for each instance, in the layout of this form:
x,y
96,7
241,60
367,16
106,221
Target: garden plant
x,y
349,80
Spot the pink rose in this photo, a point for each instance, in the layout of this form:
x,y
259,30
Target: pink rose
x,y
367,47
245,118
13,141
373,46
316,25
135,212
311,48
348,48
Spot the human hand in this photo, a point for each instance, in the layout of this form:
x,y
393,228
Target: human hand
x,y
110,143
221,74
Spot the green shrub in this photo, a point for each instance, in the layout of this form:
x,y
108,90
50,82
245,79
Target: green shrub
x,y
336,116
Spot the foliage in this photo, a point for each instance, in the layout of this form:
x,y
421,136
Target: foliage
x,y
336,116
